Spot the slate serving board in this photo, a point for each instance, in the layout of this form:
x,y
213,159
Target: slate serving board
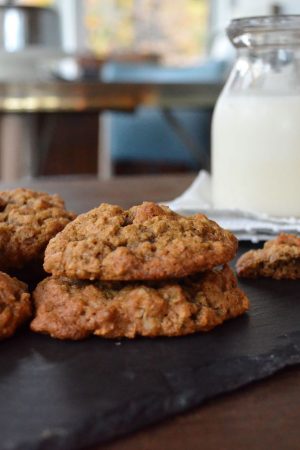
x,y
71,395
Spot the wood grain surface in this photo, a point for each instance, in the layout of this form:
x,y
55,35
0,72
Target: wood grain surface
x,y
262,416
83,193
259,417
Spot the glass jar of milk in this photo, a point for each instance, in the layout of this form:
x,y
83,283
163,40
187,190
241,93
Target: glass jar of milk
x,y
256,122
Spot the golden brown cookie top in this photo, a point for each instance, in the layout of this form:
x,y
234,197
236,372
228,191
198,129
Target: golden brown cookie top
x,y
147,242
28,220
15,305
279,258
75,310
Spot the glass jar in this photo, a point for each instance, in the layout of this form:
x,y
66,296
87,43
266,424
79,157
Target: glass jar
x,y
256,122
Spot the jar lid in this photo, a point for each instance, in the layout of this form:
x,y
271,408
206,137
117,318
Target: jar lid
x,y
269,31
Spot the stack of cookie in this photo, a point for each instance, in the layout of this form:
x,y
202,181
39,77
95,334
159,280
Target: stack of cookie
x,y
146,271
28,220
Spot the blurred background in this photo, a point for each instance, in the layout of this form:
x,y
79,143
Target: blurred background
x,y
54,52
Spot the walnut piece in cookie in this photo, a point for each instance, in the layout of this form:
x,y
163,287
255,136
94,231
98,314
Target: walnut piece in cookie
x,y
15,305
28,220
147,242
279,259
68,309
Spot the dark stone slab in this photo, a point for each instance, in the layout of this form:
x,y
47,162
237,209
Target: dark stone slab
x,y
69,395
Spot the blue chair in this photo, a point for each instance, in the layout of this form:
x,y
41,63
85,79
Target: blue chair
x,y
146,136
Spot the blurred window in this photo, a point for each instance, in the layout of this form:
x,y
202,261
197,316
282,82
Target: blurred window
x,y
173,30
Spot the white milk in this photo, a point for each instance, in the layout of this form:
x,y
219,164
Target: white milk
x,y
256,154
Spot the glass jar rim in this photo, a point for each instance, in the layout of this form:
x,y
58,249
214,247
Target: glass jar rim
x,y
265,30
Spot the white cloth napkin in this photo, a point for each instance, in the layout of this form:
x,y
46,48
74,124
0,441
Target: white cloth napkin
x,y
245,225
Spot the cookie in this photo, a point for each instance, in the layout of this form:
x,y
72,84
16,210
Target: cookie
x,y
28,220
279,259
15,307
68,309
147,242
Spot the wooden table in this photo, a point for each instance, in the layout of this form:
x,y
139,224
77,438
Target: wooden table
x,y
61,96
262,416
20,102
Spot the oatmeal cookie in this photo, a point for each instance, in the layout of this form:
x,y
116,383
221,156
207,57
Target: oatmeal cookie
x,y
28,220
15,307
279,259
147,242
68,309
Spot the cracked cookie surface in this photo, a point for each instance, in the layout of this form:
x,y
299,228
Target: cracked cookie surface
x,y
75,310
147,242
15,307
28,220
278,259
